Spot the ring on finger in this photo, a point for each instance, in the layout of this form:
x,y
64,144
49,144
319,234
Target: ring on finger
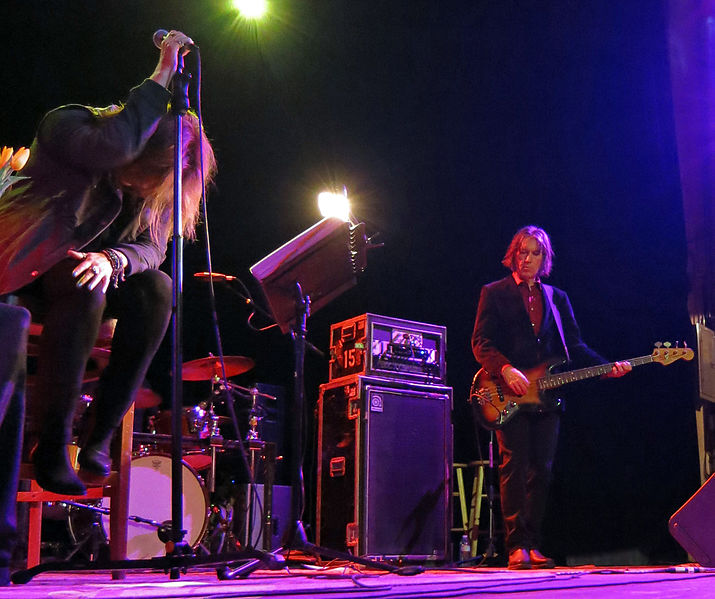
x,y
95,270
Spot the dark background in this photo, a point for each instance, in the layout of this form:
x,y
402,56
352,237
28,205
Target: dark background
x,y
452,125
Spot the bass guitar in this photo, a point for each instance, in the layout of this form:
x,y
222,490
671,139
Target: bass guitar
x,y
495,404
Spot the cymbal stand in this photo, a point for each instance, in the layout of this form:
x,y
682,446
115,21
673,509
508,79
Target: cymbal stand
x,y
255,445
212,430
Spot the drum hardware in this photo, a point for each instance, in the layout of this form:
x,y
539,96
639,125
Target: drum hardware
x,y
221,538
201,435
97,537
255,415
255,447
104,511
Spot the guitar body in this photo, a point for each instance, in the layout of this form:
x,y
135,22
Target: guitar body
x,y
495,404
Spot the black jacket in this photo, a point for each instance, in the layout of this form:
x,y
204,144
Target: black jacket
x,y
70,200
503,333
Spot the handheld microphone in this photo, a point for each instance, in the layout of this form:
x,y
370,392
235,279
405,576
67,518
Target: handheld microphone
x,y
159,36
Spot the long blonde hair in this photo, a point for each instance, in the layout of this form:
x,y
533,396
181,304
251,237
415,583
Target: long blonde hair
x,y
150,178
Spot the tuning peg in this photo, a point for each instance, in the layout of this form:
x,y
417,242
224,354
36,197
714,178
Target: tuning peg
x,y
667,344
658,344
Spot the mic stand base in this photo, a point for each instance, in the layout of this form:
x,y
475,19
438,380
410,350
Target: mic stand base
x,y
177,562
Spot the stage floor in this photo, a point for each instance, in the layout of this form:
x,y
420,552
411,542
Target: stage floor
x,y
343,582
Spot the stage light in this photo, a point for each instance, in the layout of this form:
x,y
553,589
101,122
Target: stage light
x,y
334,204
251,9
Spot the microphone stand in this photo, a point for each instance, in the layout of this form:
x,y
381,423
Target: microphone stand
x,y
179,107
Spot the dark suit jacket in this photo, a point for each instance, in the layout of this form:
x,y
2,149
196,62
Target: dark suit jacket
x,y
503,333
70,200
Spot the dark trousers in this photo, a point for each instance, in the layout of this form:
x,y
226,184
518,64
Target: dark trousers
x,y
14,326
527,445
72,317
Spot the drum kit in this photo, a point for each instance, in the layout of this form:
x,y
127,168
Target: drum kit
x,y
210,517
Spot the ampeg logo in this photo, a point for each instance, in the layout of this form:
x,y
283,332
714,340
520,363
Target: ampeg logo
x,y
376,403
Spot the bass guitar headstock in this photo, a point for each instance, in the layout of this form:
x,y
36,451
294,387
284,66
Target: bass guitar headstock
x,y
665,354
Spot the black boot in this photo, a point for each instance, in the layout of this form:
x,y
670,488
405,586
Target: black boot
x,y
95,461
53,471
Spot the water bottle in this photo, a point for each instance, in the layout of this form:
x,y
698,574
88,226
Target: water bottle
x,y
465,551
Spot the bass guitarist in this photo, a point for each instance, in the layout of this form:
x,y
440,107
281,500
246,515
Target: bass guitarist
x,y
521,324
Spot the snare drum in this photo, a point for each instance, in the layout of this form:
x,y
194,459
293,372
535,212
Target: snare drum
x,y
150,497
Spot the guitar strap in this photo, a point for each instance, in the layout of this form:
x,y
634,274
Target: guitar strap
x,y
549,292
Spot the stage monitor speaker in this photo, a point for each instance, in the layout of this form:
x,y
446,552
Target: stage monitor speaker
x,y
693,525
384,464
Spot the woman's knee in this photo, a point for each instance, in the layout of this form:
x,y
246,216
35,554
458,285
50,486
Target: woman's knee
x,y
152,287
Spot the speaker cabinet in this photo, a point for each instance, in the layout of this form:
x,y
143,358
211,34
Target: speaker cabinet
x,y
384,465
693,525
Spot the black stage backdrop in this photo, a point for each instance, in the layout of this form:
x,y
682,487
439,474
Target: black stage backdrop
x,y
451,124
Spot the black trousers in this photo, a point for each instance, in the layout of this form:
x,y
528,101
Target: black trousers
x,y
72,317
527,446
14,326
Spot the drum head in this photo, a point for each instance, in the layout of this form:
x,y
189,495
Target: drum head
x,y
150,497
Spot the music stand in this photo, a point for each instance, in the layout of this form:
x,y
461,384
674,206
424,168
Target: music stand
x,y
310,270
324,260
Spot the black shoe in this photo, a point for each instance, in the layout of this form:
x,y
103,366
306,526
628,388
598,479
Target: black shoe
x,y
53,471
95,464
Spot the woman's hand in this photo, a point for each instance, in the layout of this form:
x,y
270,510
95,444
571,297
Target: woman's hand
x,y
94,269
173,42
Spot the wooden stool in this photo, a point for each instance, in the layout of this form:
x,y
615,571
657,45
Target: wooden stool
x,y
116,488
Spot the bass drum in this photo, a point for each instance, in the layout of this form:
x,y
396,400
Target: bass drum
x,y
150,497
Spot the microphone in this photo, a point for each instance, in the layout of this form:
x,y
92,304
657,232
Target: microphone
x,y
159,36
217,276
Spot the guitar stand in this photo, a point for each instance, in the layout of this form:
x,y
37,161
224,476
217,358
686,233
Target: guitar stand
x,y
490,550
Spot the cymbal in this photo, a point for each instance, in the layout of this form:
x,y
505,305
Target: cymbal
x,y
204,369
146,398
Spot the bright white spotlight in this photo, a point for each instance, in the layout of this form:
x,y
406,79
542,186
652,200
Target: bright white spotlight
x,y
334,204
251,9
